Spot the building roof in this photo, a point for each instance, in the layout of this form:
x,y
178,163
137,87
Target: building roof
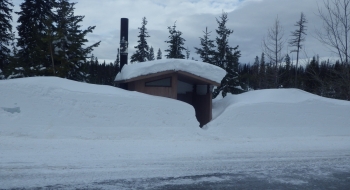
x,y
198,70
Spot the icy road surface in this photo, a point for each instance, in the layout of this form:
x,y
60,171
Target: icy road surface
x,y
296,170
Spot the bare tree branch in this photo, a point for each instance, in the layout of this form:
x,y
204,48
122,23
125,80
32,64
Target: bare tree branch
x,y
272,46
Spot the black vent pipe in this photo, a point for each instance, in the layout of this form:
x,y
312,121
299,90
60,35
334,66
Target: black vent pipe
x,y
124,33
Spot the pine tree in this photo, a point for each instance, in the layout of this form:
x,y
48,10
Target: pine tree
x,y
286,73
15,69
142,48
223,47
2,75
187,53
227,58
206,52
5,35
49,37
176,43
117,63
92,70
151,54
71,52
255,74
311,73
159,54
262,72
33,25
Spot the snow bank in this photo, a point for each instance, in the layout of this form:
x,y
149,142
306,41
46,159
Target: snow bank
x,y
198,68
56,131
279,113
49,107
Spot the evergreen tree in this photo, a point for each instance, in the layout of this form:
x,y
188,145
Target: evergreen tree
x,y
2,75
71,52
176,43
311,74
49,37
262,72
187,53
141,54
206,52
286,73
230,83
287,61
222,45
93,67
34,22
52,43
227,58
151,54
159,54
5,35
117,63
254,83
15,69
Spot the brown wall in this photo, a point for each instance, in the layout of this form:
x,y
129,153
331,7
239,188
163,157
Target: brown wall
x,y
201,103
188,97
170,92
203,106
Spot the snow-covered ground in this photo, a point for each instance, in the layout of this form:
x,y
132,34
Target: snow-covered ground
x,y
60,133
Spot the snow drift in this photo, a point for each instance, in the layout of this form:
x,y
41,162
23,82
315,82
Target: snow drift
x,y
57,131
49,107
279,113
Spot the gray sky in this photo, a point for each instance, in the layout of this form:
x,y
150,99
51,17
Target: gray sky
x,y
250,20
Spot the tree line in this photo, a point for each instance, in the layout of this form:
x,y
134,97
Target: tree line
x,y
318,77
51,42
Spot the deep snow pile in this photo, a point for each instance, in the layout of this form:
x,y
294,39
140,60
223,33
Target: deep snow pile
x,y
49,107
57,131
195,67
279,113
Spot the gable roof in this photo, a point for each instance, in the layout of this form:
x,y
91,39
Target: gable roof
x,y
189,68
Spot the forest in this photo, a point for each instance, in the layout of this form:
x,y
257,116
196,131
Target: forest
x,y
50,41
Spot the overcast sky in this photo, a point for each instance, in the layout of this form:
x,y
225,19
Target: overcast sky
x,y
250,20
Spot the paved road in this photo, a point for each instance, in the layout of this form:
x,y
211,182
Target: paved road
x,y
278,171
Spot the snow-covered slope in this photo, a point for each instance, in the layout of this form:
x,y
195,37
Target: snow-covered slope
x,y
57,131
279,113
49,107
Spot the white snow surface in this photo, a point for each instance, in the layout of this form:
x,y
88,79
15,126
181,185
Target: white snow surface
x,y
57,131
198,68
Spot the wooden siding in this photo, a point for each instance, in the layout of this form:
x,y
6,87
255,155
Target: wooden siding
x,y
169,92
201,103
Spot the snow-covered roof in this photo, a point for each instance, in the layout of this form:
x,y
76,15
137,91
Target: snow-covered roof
x,y
198,68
